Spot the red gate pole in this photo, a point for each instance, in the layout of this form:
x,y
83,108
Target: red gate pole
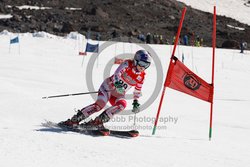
x,y
164,88
214,45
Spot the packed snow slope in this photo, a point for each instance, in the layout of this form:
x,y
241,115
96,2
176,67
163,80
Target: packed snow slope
x,y
229,8
50,65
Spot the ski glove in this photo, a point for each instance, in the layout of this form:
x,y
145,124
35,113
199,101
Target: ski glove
x,y
119,87
136,107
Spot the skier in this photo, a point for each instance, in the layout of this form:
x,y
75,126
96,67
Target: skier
x,y
130,73
243,46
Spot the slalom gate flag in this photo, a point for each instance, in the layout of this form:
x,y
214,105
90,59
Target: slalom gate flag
x,y
182,79
92,48
14,40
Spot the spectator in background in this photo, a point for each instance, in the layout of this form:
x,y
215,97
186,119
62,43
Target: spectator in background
x,y
141,37
185,40
88,35
114,34
173,40
155,38
161,39
148,38
243,46
98,36
197,41
167,41
201,41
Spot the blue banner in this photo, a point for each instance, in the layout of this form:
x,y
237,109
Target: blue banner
x,y
14,40
92,48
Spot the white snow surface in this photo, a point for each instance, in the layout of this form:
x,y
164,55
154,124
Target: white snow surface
x,y
236,9
32,7
5,16
50,65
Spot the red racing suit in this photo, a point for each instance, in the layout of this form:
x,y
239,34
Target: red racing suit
x,y
128,76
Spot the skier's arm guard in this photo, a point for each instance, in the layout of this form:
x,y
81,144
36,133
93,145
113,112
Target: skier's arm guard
x,y
118,71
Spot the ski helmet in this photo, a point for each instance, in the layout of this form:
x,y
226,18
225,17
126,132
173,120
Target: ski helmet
x,y
142,58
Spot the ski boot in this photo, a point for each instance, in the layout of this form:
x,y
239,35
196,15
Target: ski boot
x,y
97,123
94,127
74,121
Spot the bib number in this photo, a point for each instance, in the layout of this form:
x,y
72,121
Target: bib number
x,y
123,84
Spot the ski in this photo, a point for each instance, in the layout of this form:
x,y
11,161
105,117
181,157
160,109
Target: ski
x,y
124,134
92,132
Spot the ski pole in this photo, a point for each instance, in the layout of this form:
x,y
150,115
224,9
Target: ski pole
x,y
135,119
74,94
134,125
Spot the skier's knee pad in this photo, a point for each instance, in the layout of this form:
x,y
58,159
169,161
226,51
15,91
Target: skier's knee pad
x,y
112,100
121,103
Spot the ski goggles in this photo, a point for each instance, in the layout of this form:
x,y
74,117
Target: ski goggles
x,y
143,64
